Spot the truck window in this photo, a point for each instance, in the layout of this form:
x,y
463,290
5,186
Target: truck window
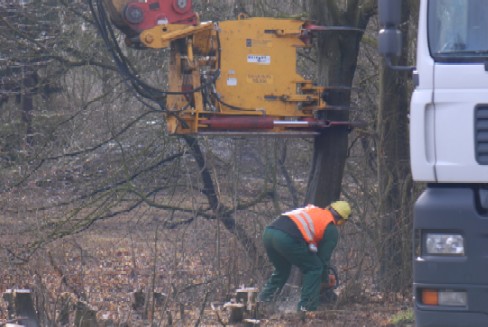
x,y
458,30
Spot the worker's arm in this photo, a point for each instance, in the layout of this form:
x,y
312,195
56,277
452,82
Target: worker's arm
x,y
326,247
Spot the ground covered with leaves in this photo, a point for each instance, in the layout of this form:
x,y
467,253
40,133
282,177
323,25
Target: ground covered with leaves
x,y
134,273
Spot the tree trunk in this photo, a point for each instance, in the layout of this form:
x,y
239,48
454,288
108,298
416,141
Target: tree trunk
x,y
395,182
29,78
337,59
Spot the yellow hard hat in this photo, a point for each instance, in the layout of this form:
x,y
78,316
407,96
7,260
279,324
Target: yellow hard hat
x,y
342,208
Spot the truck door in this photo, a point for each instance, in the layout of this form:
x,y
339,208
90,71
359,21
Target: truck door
x,y
458,43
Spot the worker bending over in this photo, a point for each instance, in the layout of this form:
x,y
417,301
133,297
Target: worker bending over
x,y
306,238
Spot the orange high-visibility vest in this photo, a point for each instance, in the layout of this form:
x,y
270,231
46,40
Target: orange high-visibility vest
x,y
312,222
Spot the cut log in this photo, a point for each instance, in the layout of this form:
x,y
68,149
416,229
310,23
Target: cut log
x,y
251,322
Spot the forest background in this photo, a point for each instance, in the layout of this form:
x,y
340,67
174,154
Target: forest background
x,y
99,203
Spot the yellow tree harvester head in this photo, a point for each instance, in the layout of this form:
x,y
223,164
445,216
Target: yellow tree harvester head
x,y
245,75
236,76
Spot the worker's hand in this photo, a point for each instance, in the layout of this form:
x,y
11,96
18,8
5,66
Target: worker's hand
x,y
332,281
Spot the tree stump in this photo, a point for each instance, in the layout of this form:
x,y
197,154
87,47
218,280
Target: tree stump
x,y
106,323
66,303
138,300
159,298
21,307
247,296
85,316
236,312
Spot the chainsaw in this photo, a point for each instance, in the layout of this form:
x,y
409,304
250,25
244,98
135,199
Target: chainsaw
x,y
327,294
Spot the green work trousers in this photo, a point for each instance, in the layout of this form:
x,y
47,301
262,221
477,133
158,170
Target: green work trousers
x,y
283,252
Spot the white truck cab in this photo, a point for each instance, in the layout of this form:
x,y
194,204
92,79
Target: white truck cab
x,y
448,151
449,108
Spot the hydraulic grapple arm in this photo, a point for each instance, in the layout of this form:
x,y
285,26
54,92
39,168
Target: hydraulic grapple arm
x,y
133,17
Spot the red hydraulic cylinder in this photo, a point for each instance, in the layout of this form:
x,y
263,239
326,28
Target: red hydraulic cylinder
x,y
238,123
235,123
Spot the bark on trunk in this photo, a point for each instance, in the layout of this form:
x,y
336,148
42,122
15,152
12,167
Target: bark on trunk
x,y
337,60
396,194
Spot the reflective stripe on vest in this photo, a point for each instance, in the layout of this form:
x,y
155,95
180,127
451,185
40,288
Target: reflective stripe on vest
x,y
306,222
311,222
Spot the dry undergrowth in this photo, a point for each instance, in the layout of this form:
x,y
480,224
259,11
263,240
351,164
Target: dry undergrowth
x,y
184,268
